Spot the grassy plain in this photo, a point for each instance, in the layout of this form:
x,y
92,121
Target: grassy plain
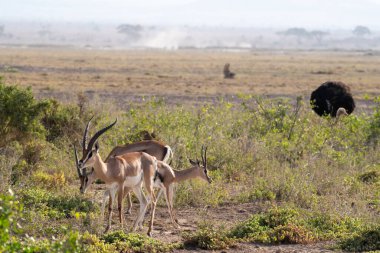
x,y
281,173
188,73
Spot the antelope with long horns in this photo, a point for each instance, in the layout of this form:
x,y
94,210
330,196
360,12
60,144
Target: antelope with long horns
x,y
128,170
154,148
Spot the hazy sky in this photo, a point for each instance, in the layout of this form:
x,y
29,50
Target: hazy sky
x,y
262,13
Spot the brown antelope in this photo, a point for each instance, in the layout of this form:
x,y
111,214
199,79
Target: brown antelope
x,y
154,148
128,170
166,178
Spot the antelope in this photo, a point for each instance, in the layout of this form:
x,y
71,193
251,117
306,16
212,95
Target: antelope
x,y
127,170
154,148
167,176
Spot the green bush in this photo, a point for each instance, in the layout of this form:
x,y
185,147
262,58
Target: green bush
x,y
367,240
279,217
20,114
56,205
291,234
327,226
285,225
61,121
252,229
209,237
275,226
70,243
133,242
9,212
374,128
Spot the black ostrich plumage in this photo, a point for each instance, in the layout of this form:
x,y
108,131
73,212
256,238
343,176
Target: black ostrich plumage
x,y
330,96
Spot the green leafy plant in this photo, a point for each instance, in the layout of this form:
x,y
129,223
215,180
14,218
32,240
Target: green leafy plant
x,y
133,242
9,211
20,114
366,240
209,237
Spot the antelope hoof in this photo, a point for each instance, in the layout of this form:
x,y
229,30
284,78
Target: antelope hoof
x,y
107,229
150,233
129,211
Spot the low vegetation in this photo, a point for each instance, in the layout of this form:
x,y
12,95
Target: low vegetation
x,y
276,152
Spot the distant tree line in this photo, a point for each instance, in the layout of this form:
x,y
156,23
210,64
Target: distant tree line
x,y
318,35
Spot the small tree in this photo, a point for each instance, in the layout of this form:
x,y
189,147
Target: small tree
x,y
361,31
131,32
299,33
318,35
19,114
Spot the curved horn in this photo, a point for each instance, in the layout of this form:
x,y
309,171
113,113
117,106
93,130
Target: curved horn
x,y
204,156
85,135
77,161
98,134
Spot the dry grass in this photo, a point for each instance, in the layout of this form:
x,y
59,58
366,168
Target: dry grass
x,y
187,73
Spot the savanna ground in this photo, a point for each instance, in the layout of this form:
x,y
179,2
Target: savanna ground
x,y
281,174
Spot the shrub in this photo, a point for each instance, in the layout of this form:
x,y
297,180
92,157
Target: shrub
x,y
374,130
9,211
69,243
95,244
43,179
34,152
275,226
279,217
133,242
61,121
285,225
210,238
326,226
252,230
56,206
291,234
367,240
19,114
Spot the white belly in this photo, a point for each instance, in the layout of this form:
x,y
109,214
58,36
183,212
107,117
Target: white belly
x,y
133,181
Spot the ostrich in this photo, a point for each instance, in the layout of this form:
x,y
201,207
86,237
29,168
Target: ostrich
x,y
227,73
332,98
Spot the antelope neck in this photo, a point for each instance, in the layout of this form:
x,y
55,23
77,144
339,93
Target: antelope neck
x,y
100,169
181,175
